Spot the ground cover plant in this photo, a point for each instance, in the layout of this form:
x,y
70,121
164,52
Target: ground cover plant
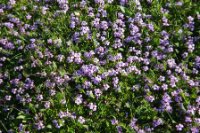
x,y
99,66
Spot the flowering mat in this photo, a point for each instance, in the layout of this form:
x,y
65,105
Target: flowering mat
x,y
99,66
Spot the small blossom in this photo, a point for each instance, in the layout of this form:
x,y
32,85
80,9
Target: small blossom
x,y
81,120
179,127
79,99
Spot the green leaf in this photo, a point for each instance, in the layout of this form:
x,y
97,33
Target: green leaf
x,y
32,108
121,49
62,72
61,122
86,126
21,117
49,126
77,13
122,9
127,105
69,43
54,65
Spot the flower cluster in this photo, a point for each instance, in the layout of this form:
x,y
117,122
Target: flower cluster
x,y
99,66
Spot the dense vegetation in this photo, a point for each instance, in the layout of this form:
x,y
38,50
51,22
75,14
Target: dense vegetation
x,y
99,66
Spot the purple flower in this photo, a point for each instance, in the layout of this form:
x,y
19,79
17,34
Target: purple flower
x,y
29,84
87,84
39,125
104,25
92,106
62,114
78,99
114,122
195,129
8,97
188,119
179,127
164,86
96,80
179,3
119,129
171,63
81,119
97,92
123,2
190,19
133,123
96,23
115,81
12,2
55,122
47,105
157,122
28,16
150,27
161,78
155,87
150,98
134,29
9,25
21,127
106,86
